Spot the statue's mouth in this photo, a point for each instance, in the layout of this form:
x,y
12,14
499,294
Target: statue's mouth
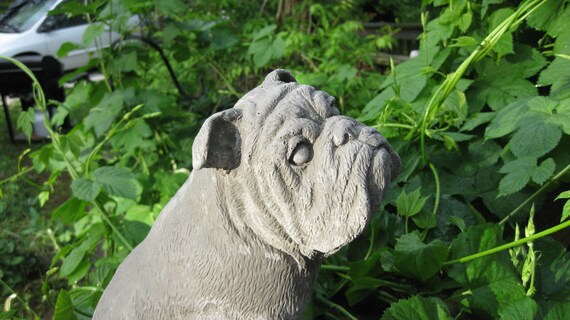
x,y
384,167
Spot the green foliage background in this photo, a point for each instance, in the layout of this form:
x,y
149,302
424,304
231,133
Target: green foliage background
x,y
481,119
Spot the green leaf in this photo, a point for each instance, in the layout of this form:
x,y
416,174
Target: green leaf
x,y
85,189
140,213
262,52
409,78
465,21
453,217
464,41
419,260
518,175
66,48
555,74
78,97
457,136
73,260
496,89
363,287
505,44
425,219
530,60
562,117
264,32
485,6
476,239
553,270
376,105
544,171
564,195
278,48
169,32
536,122
261,58
313,79
93,31
566,208
520,171
442,28
43,197
410,204
546,15
70,211
555,310
47,158
125,62
561,48
482,154
535,138
117,181
170,7
491,281
134,137
522,309
477,120
345,72
507,120
559,27
79,272
74,141
64,309
102,116
223,39
11,313
25,122
419,308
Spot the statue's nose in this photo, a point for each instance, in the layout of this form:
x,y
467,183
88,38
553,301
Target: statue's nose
x,y
345,130
371,137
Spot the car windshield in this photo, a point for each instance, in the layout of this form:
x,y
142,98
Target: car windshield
x,y
22,15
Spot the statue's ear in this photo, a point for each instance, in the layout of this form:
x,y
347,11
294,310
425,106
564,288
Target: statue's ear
x,y
218,144
277,77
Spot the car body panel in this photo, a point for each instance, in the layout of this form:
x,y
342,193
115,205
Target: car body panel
x,y
45,37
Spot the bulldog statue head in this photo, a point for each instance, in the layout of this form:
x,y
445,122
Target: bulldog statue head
x,y
279,182
311,178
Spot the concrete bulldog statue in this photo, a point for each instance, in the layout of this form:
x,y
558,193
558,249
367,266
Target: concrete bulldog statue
x,y
280,181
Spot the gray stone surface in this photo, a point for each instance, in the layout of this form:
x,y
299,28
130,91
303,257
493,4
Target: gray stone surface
x,y
279,182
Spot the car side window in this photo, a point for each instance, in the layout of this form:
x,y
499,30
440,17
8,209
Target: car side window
x,y
60,21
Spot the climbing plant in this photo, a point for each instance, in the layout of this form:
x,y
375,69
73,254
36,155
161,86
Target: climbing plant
x,y
480,118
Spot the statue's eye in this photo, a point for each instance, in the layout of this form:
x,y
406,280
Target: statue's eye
x,y
302,154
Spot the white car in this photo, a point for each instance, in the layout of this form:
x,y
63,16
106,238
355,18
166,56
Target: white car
x,y
27,29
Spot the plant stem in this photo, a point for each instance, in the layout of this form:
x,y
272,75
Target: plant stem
x,y
394,125
450,82
437,188
26,305
333,305
16,176
509,245
114,130
334,268
116,231
538,192
371,244
99,50
39,97
482,50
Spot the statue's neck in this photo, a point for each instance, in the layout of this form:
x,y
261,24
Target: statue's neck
x,y
219,231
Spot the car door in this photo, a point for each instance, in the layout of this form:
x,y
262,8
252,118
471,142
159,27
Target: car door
x,y
60,29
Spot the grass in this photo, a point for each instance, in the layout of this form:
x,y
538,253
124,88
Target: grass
x,y
27,243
